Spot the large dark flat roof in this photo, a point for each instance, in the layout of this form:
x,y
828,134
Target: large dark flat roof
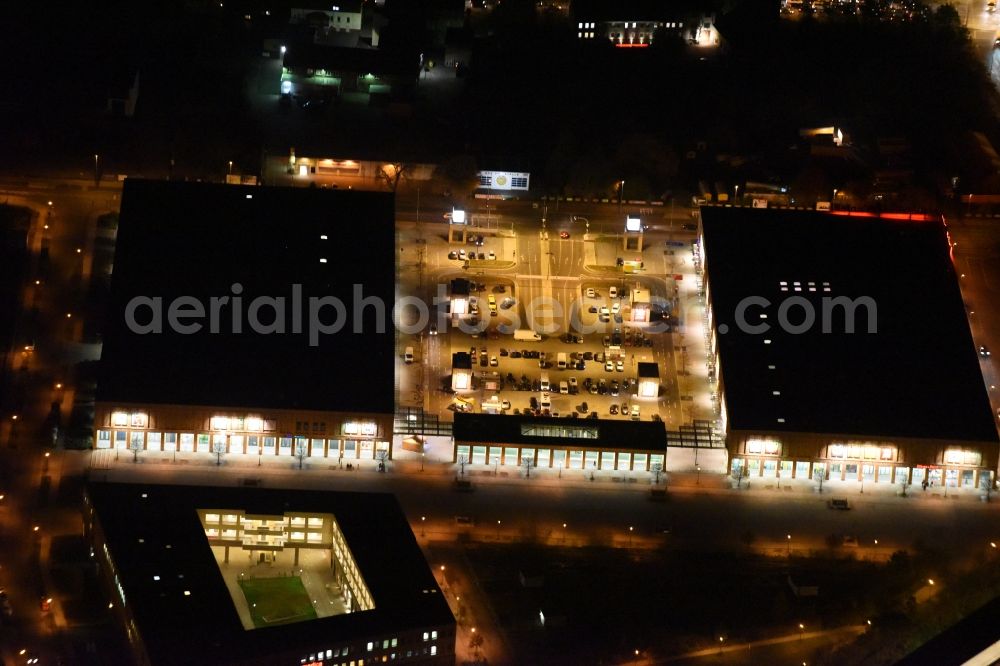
x,y
193,239
611,434
204,628
917,376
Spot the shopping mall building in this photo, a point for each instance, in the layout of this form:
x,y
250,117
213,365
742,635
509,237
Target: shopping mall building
x,y
840,348
216,341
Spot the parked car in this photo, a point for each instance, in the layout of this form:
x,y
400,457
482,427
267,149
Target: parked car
x,y
839,504
620,366
609,366
591,293
984,351
614,410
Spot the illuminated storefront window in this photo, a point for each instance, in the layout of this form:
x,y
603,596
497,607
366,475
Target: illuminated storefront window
x,y
765,447
963,457
360,428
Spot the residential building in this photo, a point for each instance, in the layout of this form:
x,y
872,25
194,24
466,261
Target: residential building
x,y
251,576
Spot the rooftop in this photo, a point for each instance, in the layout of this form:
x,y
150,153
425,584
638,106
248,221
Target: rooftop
x,y
198,240
155,530
917,375
539,431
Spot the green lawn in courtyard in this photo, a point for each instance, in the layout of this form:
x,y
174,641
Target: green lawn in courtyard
x,y
274,601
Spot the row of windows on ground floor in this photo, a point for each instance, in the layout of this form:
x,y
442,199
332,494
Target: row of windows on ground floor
x,y
559,458
257,445
955,477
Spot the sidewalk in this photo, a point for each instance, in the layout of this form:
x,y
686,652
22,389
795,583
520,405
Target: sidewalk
x,y
849,631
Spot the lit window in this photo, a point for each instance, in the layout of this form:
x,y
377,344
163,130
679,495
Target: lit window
x,y
371,645
579,25
139,420
434,650
119,419
212,517
220,423
434,635
426,635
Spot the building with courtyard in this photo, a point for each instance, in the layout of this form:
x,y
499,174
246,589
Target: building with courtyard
x,y
203,575
841,349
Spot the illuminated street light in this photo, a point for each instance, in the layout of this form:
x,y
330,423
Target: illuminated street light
x,y
930,581
802,629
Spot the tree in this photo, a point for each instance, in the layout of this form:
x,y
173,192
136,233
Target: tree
x,y
986,484
135,446
301,452
218,448
476,642
818,475
392,173
903,486
382,456
657,470
461,174
462,462
527,464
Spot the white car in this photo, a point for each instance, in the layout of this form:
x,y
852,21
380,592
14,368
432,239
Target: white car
x,y
616,308
635,412
604,311
591,293
613,292
492,255
609,366
572,382
461,254
620,366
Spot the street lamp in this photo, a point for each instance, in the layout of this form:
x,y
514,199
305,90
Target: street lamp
x,y
789,545
698,479
630,536
422,457
737,195
423,525
230,167
97,177
802,629
498,530
621,191
564,534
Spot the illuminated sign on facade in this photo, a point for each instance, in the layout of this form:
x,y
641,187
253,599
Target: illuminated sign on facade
x,y
504,180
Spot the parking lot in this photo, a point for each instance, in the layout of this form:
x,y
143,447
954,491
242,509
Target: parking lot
x,y
586,368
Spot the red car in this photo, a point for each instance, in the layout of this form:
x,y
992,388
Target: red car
x,y
564,234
